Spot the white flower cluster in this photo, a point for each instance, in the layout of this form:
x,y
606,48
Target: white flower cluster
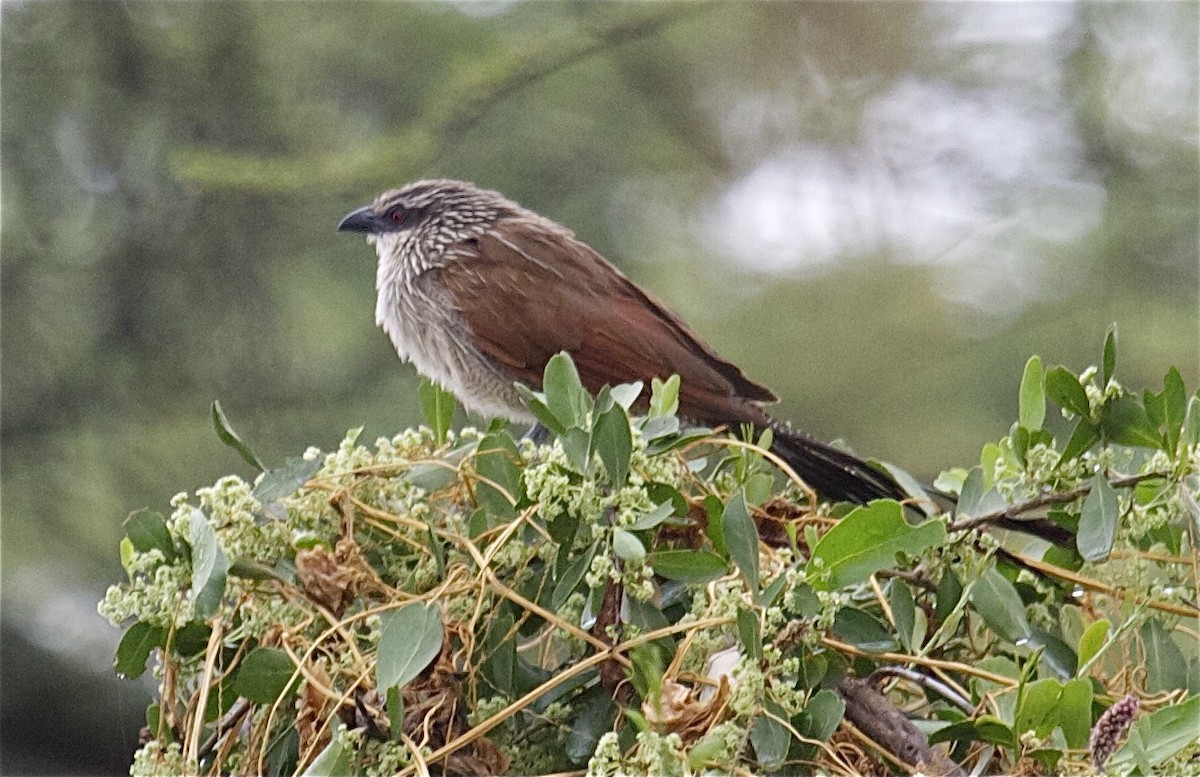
x,y
655,755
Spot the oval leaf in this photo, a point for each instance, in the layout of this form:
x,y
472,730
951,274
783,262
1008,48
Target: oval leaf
x,y
1031,407
148,530
613,440
226,434
1110,353
1091,641
438,406
627,546
411,638
565,396
741,537
1125,421
1098,521
1067,392
135,649
866,541
771,742
333,760
904,612
264,675
1000,605
208,566
688,566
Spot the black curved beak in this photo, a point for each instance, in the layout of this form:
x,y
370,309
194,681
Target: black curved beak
x,y
361,220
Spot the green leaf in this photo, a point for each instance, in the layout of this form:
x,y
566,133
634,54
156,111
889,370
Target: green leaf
x,y
283,753
430,476
250,569
286,480
1064,388
500,664
813,668
565,395
1174,408
1190,435
627,546
985,729
411,637
654,517
127,553
1056,654
693,567
714,509
226,434
135,648
825,711
659,427
1031,407
1075,712
707,750
148,531
1158,736
535,401
1125,421
997,601
596,715
646,670
1166,669
769,594
866,541
1037,705
394,702
208,566
438,407
1083,437
661,494
264,675
577,445
741,537
949,594
664,396
904,612
758,487
569,580
1098,521
613,440
1091,641
750,632
626,394
334,760
191,639
862,630
771,742
1110,353
497,459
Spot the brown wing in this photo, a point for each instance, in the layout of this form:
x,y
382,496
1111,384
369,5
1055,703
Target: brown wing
x,y
528,291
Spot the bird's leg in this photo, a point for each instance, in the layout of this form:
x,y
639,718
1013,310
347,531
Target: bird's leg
x,y
538,433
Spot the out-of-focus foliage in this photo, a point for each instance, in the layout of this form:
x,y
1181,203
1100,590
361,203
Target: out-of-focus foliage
x,y
642,598
876,209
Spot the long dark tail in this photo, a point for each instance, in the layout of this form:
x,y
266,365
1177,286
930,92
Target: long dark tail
x,y
832,473
843,477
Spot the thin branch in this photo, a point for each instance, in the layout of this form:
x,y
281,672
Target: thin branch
x,y
932,683
1014,512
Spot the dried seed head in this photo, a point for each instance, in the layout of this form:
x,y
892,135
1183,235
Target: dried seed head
x,y
1110,730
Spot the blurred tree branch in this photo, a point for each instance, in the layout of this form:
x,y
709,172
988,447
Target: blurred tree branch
x,y
413,147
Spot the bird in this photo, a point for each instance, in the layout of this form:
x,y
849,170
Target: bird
x,y
478,293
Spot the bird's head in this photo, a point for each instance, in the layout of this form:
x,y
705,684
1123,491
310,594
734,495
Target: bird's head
x,y
426,216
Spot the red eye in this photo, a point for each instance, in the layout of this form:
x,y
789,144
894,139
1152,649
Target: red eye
x,y
397,215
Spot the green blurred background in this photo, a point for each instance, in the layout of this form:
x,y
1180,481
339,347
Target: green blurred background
x,y
879,210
